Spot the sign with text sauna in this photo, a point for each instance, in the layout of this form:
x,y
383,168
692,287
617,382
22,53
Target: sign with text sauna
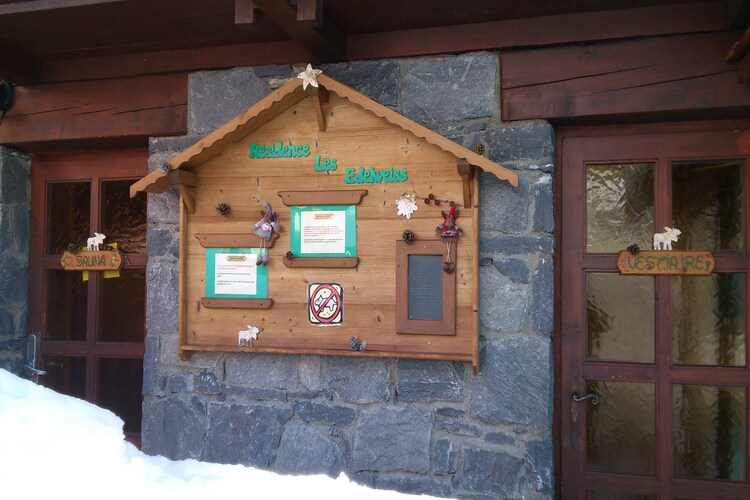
x,y
319,221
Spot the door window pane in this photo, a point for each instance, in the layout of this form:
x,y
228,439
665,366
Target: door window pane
x,y
68,206
66,375
123,217
619,206
708,320
620,317
710,432
66,305
120,382
621,429
707,204
122,313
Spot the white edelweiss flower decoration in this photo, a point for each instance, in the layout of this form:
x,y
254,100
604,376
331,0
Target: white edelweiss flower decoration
x,y
309,76
406,205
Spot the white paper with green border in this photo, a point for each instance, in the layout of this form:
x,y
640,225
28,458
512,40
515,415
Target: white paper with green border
x,y
340,216
250,280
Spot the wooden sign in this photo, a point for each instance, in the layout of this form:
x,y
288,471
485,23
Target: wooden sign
x,y
653,262
105,260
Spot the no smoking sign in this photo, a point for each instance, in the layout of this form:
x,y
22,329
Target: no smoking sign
x,y
325,303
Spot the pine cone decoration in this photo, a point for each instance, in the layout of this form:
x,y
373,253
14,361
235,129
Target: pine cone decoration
x,y
479,149
408,236
289,255
634,249
354,343
222,209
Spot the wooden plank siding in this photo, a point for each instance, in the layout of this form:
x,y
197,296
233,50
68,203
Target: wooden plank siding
x,y
102,110
652,75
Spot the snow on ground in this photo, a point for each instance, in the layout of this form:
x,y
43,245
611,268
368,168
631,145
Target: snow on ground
x,y
52,444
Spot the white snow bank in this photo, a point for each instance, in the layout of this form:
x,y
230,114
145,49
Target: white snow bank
x,y
52,444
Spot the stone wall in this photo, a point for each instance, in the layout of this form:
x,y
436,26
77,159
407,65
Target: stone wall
x,y
414,426
15,194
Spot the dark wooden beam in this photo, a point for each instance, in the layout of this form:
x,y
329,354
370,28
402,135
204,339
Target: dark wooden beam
x,y
623,78
325,43
244,12
744,68
39,5
738,14
17,66
94,111
540,31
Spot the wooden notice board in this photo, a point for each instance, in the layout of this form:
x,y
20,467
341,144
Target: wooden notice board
x,y
332,164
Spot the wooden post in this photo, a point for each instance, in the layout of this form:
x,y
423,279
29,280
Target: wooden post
x,y
467,175
319,97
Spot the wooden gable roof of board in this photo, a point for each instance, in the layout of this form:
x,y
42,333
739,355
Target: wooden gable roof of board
x,y
177,170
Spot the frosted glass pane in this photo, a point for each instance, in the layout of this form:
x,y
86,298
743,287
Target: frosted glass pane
x,y
620,317
609,495
619,206
621,429
68,207
707,204
708,320
120,383
66,375
710,429
66,305
123,217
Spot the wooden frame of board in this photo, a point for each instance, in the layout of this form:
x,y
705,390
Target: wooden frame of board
x,y
295,148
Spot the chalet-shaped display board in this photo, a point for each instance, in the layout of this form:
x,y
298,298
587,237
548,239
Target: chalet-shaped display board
x,y
321,222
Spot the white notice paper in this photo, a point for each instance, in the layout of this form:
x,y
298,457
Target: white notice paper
x,y
323,232
235,274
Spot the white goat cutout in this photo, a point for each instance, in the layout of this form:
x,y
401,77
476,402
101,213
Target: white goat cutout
x,y
246,337
92,244
663,241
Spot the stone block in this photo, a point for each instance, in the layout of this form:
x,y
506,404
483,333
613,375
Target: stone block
x,y
456,426
452,88
177,382
283,70
11,361
539,460
521,143
241,435
161,296
500,438
206,383
543,290
174,144
514,385
14,229
450,412
305,450
15,177
445,457
544,205
414,485
505,208
215,97
262,371
391,438
491,472
162,241
310,372
164,208
150,364
244,394
173,427
7,328
503,304
376,79
418,380
329,415
14,278
515,269
360,380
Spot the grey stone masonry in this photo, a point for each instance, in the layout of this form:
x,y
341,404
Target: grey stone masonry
x,y
428,427
15,194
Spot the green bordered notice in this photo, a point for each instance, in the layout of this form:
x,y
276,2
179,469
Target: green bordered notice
x,y
324,231
232,273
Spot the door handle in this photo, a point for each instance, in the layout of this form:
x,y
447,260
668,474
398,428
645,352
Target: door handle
x,y
594,397
32,355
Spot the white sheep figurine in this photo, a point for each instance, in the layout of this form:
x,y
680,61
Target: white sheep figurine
x,y
93,243
246,337
663,241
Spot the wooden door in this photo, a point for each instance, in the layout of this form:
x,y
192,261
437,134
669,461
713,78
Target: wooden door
x,y
665,358
92,327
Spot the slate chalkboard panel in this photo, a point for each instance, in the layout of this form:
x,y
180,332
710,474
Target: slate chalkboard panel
x,y
426,287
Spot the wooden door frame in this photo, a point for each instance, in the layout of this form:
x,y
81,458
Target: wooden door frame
x,y
563,132
113,165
